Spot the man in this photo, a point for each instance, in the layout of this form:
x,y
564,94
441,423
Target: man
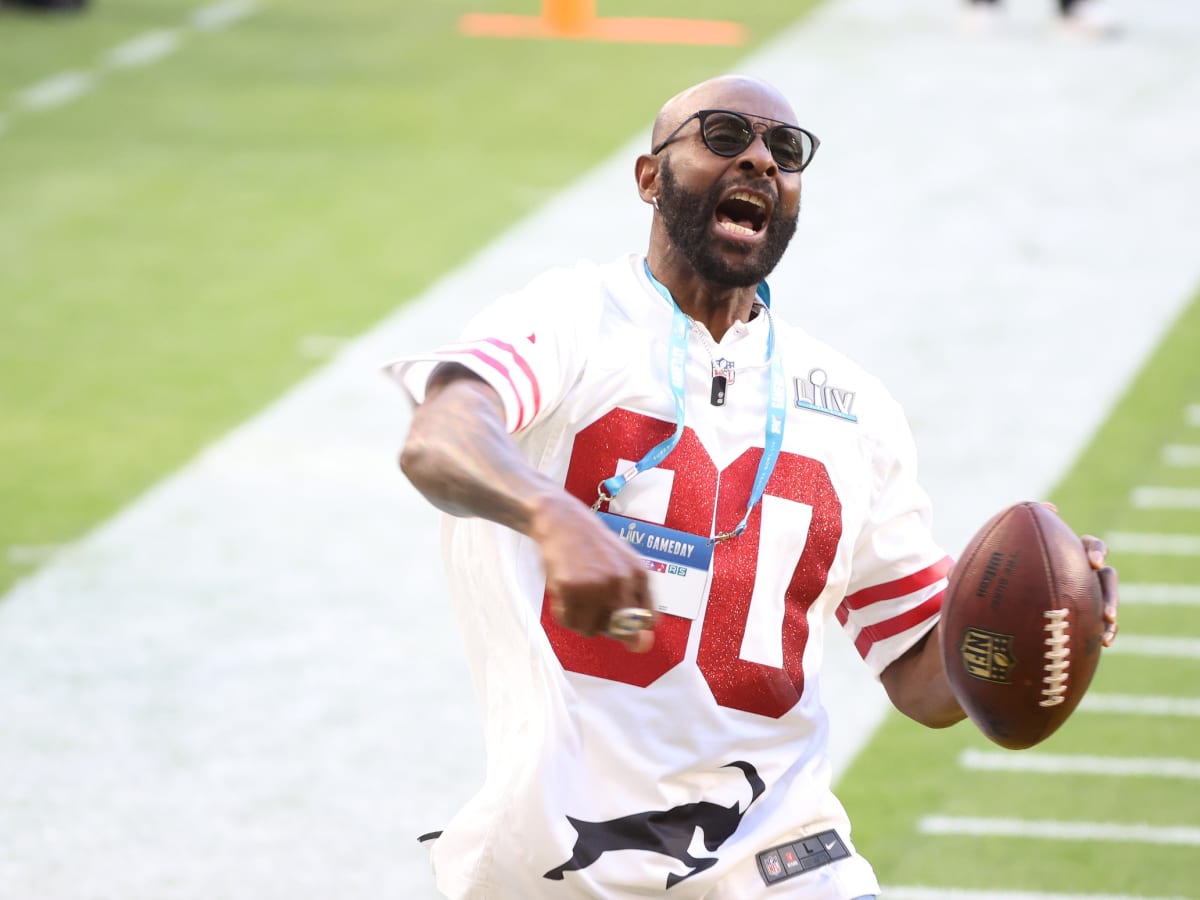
x,y
648,435
1076,18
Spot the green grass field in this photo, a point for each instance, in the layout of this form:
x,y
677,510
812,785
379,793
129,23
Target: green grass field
x,y
169,240
909,772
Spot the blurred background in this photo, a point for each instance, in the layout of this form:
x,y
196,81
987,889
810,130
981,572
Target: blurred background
x,y
229,670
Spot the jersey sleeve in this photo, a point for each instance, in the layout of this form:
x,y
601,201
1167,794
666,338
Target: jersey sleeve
x,y
899,572
528,345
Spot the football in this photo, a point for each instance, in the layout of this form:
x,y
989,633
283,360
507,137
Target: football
x,y
1022,620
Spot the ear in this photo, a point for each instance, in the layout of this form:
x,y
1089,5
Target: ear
x,y
646,172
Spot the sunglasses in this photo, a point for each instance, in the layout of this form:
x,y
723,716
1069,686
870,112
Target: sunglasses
x,y
728,133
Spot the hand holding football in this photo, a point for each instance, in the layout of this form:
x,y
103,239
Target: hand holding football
x,y
1022,622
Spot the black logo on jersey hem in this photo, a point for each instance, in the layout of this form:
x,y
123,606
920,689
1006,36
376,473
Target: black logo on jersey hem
x,y
788,860
667,831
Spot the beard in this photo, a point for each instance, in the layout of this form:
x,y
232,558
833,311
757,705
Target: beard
x,y
687,215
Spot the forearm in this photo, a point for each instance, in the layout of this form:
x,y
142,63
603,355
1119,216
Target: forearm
x,y
460,457
917,686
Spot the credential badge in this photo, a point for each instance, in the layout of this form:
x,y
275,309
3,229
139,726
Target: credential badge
x,y
816,393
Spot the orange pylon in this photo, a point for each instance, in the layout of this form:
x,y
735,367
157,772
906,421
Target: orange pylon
x,y
569,15
577,20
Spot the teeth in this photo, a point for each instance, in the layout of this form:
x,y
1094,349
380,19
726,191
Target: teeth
x,y
737,229
749,198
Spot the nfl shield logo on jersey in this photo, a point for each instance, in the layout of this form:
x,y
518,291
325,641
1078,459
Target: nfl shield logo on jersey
x,y
772,864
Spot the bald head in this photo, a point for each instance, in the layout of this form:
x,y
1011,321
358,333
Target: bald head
x,y
740,93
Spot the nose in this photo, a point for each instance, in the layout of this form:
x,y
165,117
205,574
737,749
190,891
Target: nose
x,y
757,157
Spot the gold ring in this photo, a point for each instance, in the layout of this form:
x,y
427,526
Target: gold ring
x,y
627,622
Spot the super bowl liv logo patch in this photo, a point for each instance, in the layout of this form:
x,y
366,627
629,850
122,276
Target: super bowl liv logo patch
x,y
816,393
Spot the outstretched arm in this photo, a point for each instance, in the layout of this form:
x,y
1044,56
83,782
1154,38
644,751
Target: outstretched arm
x,y
460,457
917,685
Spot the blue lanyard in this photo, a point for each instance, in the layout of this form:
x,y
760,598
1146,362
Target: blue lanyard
x,y
677,371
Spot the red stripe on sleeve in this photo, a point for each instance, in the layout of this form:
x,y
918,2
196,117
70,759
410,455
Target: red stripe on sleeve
x,y
881,631
528,370
499,367
892,589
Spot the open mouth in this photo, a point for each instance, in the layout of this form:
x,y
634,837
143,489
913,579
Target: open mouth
x,y
743,213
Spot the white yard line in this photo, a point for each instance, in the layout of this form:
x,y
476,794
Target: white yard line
x,y
28,554
1165,498
1078,764
54,91
1182,455
1140,705
1131,833
145,49
1192,415
932,893
1160,594
1149,544
222,15
255,663
1156,645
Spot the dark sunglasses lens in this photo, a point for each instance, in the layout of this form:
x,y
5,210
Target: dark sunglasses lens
x,y
790,147
727,134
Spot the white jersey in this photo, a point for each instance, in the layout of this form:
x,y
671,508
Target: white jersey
x,y
699,767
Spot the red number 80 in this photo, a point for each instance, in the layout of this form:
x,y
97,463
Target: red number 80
x,y
735,682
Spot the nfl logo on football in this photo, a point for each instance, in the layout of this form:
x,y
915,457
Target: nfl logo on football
x,y
987,655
